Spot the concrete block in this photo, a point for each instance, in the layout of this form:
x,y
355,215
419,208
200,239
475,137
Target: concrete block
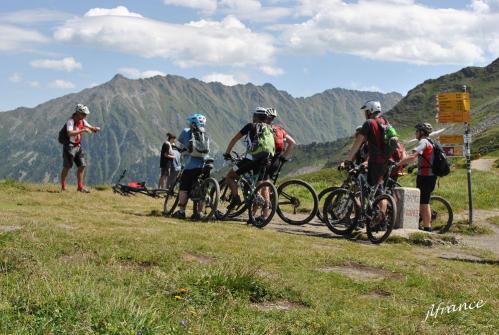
x,y
407,199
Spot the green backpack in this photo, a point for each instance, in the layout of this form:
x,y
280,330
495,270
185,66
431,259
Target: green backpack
x,y
390,137
264,140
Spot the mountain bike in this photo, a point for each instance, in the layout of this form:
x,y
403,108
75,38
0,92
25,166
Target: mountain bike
x,y
205,194
365,205
259,198
133,188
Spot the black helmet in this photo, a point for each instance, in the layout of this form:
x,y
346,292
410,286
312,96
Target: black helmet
x,y
424,127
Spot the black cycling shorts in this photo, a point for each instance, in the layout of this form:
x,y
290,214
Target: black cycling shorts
x,y
188,178
426,185
375,173
70,154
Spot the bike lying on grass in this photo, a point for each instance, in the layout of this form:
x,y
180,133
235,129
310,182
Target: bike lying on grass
x,y
205,193
133,188
259,198
361,205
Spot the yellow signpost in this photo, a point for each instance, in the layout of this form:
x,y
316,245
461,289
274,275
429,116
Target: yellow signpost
x,y
454,107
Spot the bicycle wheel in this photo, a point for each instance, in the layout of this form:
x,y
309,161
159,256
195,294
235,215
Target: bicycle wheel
x,y
297,203
263,204
441,214
171,198
380,223
341,211
222,212
210,192
322,196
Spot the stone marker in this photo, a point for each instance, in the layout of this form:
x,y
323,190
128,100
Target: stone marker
x,y
407,199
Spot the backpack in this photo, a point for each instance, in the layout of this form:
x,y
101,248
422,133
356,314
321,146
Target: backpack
x,y
199,144
279,138
264,139
389,138
63,136
441,165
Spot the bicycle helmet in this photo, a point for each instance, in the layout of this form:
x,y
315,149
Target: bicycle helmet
x,y
272,112
80,108
371,107
261,111
424,127
197,120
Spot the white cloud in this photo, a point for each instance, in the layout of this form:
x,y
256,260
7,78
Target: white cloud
x,y
252,10
271,71
117,11
15,78
34,83
226,42
134,73
31,16
63,84
226,79
67,64
395,30
18,39
205,6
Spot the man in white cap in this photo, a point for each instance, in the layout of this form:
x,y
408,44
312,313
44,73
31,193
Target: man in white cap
x,y
72,151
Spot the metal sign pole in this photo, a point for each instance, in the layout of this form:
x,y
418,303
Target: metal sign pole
x,y
467,148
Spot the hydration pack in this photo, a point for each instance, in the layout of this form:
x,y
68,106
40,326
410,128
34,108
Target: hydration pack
x,y
441,165
279,138
63,137
199,144
389,138
263,141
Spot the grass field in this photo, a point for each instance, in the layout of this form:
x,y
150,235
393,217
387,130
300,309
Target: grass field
x,y
105,264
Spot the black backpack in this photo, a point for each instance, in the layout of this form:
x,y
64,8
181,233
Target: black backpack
x,y
63,136
441,165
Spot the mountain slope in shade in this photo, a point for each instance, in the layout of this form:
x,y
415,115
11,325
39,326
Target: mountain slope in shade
x,y
136,114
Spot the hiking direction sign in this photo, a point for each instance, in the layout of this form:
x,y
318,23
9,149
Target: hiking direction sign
x,y
454,107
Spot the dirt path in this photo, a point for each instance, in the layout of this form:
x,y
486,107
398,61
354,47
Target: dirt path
x,y
488,242
483,164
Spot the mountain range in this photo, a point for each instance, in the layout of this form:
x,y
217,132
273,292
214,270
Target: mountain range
x,y
136,114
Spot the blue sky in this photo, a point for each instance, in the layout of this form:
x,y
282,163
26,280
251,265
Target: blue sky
x,y
52,48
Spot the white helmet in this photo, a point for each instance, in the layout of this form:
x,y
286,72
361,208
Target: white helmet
x,y
80,108
371,107
272,112
262,111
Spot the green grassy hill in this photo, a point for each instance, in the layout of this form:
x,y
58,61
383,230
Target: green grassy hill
x,y
105,264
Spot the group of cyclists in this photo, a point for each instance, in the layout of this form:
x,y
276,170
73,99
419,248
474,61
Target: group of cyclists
x,y
268,146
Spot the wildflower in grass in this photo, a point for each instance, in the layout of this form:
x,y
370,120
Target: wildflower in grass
x,y
184,290
177,297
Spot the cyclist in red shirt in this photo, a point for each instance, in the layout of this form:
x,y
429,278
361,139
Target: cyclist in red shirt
x,y
371,132
72,151
426,180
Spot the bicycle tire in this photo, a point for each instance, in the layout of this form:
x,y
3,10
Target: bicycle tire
x,y
436,210
332,211
257,200
171,199
286,198
373,228
323,195
211,191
